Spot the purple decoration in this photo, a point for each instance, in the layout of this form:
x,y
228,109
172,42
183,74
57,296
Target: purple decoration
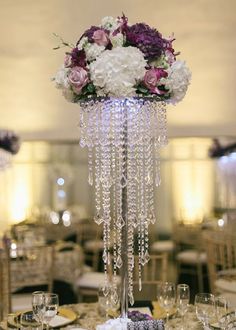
x,y
147,39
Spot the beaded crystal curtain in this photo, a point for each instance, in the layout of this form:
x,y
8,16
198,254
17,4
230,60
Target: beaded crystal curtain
x,y
123,137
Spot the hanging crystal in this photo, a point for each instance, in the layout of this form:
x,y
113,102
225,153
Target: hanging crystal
x,y
124,137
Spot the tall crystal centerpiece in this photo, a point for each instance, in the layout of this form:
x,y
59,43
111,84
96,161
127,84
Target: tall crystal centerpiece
x,y
122,76
123,137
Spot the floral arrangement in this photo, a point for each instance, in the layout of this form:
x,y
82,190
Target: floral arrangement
x,y
137,316
9,141
116,59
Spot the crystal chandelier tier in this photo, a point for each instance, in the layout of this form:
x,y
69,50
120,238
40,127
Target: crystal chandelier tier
x,y
123,137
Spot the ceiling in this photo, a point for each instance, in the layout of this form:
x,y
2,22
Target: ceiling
x,y
205,35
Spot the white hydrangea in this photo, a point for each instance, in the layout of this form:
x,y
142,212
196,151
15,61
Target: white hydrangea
x,y
83,42
178,79
61,78
92,51
68,94
117,40
117,71
110,23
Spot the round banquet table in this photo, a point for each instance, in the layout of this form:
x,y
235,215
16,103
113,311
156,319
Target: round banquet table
x,y
88,318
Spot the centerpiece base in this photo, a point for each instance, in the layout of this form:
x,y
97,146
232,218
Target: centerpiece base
x,y
114,324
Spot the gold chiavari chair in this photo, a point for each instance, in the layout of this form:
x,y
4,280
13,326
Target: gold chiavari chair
x,y
190,252
5,293
68,262
154,272
221,259
89,236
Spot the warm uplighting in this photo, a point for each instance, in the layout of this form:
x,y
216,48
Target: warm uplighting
x,y
20,201
192,176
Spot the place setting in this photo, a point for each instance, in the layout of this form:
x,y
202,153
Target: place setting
x,y
45,313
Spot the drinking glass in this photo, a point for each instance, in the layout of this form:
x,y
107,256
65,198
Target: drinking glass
x,y
38,306
182,300
166,296
221,309
51,306
205,307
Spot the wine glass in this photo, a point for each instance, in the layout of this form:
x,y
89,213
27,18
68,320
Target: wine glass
x,y
51,302
221,309
205,307
182,300
166,297
38,306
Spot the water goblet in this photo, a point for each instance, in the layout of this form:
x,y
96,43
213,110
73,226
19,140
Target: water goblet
x,y
182,300
51,307
38,306
166,297
205,307
221,309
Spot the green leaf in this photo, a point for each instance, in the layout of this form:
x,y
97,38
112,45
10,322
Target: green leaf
x,y
91,88
142,89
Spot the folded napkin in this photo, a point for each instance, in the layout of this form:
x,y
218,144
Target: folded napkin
x,y
225,285
58,321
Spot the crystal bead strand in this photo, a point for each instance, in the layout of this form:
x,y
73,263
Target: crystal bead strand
x,y
119,219
147,176
113,224
131,196
105,183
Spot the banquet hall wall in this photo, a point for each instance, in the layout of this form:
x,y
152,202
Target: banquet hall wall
x,y
186,192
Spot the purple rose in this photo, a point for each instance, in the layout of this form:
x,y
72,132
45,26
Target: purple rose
x,y
151,79
89,34
67,61
78,78
100,37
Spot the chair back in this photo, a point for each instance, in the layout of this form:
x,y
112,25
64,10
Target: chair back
x,y
31,266
87,231
153,272
5,294
221,253
69,262
188,236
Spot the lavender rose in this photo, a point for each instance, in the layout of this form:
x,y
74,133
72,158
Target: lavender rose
x,y
78,78
100,37
151,79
